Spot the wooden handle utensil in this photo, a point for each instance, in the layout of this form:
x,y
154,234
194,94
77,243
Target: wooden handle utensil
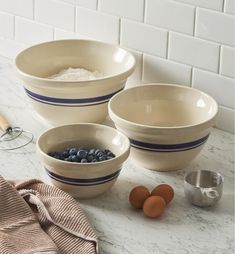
x,y
4,125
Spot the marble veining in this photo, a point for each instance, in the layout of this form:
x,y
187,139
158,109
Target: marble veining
x,y
183,229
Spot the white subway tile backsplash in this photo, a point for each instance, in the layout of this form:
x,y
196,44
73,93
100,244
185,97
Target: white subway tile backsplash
x,y
6,25
219,87
193,51
226,119
229,6
60,34
189,42
10,48
210,4
145,38
30,32
58,14
165,71
18,7
227,66
91,4
215,26
171,15
133,9
97,25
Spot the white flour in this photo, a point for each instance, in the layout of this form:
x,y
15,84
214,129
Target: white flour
x,y
76,74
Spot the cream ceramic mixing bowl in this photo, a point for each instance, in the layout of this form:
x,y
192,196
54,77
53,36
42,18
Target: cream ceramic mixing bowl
x,y
64,102
83,180
167,124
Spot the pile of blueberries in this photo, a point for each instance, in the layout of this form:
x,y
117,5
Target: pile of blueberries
x,y
83,155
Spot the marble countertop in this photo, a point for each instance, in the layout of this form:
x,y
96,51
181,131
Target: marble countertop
x,y
121,230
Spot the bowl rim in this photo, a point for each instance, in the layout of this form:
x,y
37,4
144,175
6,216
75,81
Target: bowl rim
x,y
124,154
167,128
80,82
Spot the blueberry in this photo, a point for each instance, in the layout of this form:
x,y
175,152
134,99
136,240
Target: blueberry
x,y
109,157
106,151
56,154
94,160
97,151
74,158
110,154
101,158
52,154
100,154
79,158
68,159
92,151
83,160
89,158
82,154
73,151
65,154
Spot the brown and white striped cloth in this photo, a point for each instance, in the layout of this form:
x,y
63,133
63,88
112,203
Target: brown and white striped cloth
x,y
36,218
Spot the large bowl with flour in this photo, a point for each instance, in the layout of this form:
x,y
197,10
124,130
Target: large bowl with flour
x,y
73,101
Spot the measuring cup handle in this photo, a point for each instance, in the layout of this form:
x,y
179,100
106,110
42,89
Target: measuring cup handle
x,y
5,126
211,193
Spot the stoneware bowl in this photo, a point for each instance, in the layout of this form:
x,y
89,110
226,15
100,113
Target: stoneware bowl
x,y
167,124
60,102
83,180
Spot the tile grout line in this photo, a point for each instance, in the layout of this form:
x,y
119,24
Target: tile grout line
x,y
144,11
142,64
191,77
34,13
223,6
119,31
14,27
142,68
194,25
97,5
167,44
75,18
53,31
219,60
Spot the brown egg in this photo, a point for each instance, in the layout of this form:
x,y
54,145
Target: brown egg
x,y
138,195
154,206
165,191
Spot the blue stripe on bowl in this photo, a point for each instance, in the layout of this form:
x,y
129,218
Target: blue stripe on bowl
x,y
83,181
68,105
65,101
168,147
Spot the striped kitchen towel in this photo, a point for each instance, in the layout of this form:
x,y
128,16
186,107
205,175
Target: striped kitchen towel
x,y
36,218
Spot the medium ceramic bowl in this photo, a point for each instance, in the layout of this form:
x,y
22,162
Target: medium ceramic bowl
x,y
83,180
65,102
166,124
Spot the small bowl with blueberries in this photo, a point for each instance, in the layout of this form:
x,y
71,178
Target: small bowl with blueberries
x,y
83,159
82,155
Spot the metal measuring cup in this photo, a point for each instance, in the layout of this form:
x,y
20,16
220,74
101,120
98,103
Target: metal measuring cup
x,y
203,187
